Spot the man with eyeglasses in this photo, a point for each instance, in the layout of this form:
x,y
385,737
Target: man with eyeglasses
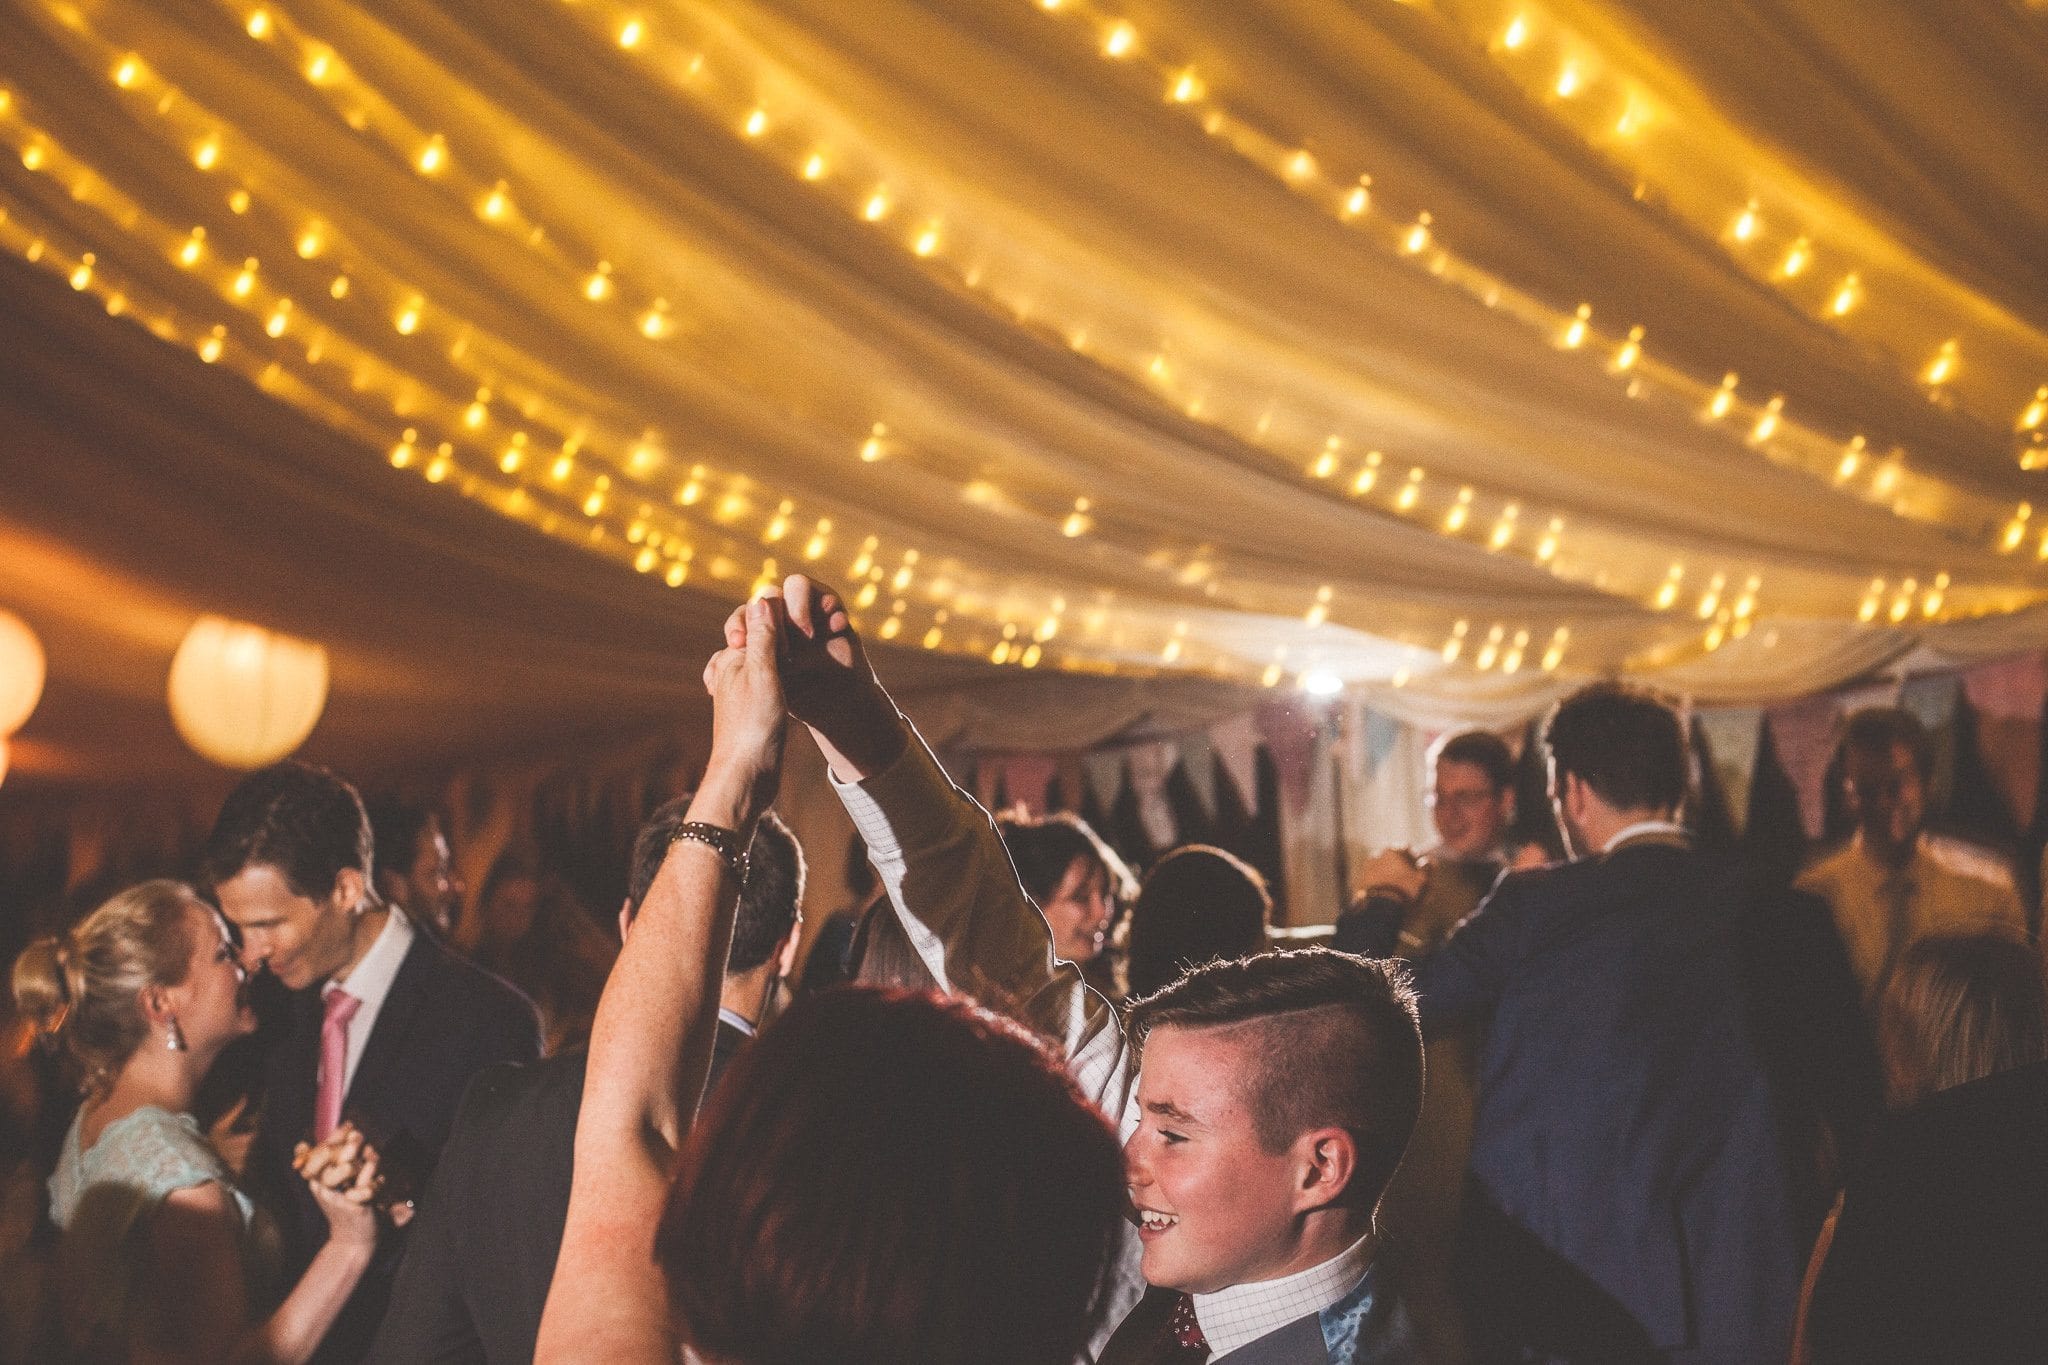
x,y
1410,904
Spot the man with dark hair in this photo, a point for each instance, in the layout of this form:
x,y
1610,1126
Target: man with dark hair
x,y
1893,883
1630,1198
386,1026
483,1251
1276,1096
1410,904
415,867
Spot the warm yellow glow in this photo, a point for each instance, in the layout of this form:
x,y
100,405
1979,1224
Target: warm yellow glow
x,y
757,123
1767,423
1710,600
1631,119
280,318
1554,655
210,349
1187,88
1360,197
1410,491
1943,367
2016,529
1631,351
207,156
814,167
927,241
1546,549
1887,478
1724,397
631,32
2035,411
654,324
81,276
1461,511
478,411
128,72
402,453
1078,520
872,448
1325,465
514,454
593,504
32,156
494,204
408,320
437,468
243,696
1517,33
1369,475
1300,166
877,206
433,156
598,287
1575,334
1667,593
1745,223
246,280
319,66
1504,529
339,289
1846,295
310,242
1417,240
1852,459
1568,81
691,493
1120,41
1796,259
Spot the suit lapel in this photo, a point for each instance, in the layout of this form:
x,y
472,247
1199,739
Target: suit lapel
x,y
394,1021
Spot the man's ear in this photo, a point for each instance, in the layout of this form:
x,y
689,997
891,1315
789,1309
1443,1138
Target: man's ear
x,y
1326,1159
625,919
349,887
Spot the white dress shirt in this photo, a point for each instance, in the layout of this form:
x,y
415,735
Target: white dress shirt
x,y
1243,1313
369,981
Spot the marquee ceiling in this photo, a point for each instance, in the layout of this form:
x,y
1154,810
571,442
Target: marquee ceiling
x,y
1453,349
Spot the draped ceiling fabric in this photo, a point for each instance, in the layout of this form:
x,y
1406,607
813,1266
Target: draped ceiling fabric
x,y
1457,349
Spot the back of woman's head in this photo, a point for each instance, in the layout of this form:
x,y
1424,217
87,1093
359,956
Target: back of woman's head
x,y
82,988
885,1177
1958,1008
1198,904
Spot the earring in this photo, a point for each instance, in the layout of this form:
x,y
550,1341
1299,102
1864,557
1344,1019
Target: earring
x,y
174,1041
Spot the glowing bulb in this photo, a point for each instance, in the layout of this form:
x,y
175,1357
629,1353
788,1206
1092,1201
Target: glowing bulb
x,y
1300,166
599,286
1517,33
654,322
1504,529
1575,335
1321,682
280,318
127,73
402,453
1846,295
814,168
32,156
1360,197
927,241
82,276
437,468
1852,459
513,455
1410,491
1943,366
434,155
932,638
1554,655
1417,240
1568,81
1120,40
757,123
245,281
877,206
1187,88
2016,530
1077,521
1369,475
207,155
630,34
494,204
676,574
339,289
1546,549
1461,510
1745,223
1325,465
477,412
319,66
408,320
1796,259
1631,351
310,242
1767,423
872,448
1724,397
259,24
2035,411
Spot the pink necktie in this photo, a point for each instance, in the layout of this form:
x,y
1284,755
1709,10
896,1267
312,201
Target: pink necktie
x,y
340,1008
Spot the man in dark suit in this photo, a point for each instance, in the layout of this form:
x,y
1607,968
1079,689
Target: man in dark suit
x,y
476,1274
385,1027
1631,1198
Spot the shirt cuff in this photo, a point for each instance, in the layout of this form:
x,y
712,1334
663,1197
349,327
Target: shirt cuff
x,y
910,804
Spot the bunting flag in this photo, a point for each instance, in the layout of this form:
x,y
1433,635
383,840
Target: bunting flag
x,y
2007,697
1198,761
1150,764
1236,742
1026,778
1732,742
1293,733
1104,770
1379,735
1804,733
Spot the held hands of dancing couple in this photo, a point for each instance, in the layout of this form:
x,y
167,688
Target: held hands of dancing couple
x,y
342,1171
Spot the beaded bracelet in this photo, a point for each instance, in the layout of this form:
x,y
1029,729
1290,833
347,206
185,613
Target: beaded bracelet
x,y
720,840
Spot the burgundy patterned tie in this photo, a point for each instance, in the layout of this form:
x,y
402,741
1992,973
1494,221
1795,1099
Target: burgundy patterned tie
x,y
1187,1333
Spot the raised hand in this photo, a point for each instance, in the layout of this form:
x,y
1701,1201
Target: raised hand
x,y
748,712
341,1170
828,681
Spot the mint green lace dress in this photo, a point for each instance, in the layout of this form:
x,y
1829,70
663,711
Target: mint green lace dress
x,y
101,1198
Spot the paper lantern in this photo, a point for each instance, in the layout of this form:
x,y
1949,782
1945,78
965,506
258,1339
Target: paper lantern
x,y
21,672
244,696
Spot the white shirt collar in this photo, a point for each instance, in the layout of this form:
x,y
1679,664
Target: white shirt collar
x,y
370,982
737,1020
1639,829
1243,1313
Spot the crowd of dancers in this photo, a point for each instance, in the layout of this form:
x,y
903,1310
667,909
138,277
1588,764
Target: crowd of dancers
x,y
1633,1104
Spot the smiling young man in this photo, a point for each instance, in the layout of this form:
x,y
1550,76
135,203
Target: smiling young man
x,y
386,1028
1277,1093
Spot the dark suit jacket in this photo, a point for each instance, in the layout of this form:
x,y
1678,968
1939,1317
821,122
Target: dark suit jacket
x,y
443,1022
483,1249
1627,1128
1941,1252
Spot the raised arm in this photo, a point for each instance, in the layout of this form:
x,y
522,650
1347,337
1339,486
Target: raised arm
x,y
650,1046
940,859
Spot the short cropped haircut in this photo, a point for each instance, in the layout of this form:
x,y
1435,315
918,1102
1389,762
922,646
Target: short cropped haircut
x,y
1878,729
1481,749
769,899
1197,904
1341,1047
306,822
1624,742
1042,850
886,1177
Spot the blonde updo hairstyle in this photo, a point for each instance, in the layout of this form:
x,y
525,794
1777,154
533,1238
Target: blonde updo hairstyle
x,y
82,989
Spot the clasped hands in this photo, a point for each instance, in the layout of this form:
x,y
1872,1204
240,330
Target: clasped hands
x,y
342,1171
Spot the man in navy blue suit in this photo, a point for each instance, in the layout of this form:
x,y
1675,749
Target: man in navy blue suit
x,y
1630,1196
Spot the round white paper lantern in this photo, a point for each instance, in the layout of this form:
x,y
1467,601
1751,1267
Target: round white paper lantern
x,y
21,672
244,696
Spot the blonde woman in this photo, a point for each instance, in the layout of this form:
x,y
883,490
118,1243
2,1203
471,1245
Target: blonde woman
x,y
159,1260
